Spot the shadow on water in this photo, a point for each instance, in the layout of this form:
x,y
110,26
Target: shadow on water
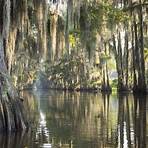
x,y
81,120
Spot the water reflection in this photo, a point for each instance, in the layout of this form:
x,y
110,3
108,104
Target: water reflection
x,y
132,121
82,120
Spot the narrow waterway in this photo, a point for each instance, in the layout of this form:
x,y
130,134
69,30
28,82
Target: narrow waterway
x,y
81,120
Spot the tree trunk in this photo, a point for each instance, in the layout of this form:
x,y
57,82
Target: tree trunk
x,y
11,108
126,60
141,79
41,15
105,85
118,57
53,35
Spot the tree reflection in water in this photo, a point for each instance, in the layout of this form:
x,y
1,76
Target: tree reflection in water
x,y
132,121
82,120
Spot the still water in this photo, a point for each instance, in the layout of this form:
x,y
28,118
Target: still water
x,y
81,120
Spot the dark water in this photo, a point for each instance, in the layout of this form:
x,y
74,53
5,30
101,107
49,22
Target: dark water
x,y
82,120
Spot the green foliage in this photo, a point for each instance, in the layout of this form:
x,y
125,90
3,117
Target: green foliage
x,y
114,83
116,15
146,54
71,72
104,58
104,12
65,72
24,71
95,16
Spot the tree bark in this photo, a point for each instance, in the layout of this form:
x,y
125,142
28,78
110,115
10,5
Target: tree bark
x,y
11,108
